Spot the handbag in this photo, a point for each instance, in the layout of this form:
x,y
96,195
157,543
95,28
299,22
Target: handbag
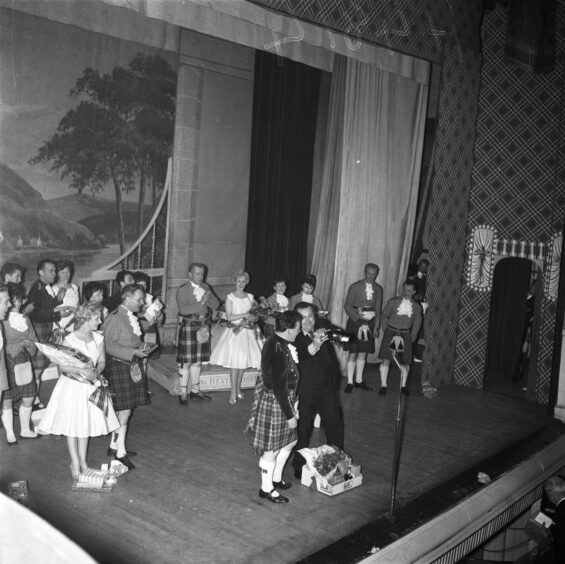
x,y
23,373
135,372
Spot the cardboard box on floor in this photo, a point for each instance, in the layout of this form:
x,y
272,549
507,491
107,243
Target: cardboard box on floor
x,y
355,481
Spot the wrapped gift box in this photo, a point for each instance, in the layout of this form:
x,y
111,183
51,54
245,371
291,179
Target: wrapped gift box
x,y
346,485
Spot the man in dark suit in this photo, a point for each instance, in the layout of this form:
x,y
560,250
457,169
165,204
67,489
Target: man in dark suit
x,y
320,375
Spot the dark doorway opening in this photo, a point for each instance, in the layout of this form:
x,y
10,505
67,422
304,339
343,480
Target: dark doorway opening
x,y
511,350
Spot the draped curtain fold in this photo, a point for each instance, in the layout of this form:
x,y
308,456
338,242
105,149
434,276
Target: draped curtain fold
x,y
285,106
374,185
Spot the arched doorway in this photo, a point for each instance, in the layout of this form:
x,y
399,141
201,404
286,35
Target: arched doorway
x,y
511,350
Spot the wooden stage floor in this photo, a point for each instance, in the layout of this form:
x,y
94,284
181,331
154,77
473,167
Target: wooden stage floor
x,y
193,496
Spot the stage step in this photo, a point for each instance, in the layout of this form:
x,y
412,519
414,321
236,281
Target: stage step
x,y
164,371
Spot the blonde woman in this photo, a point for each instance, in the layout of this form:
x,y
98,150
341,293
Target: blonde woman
x,y
238,347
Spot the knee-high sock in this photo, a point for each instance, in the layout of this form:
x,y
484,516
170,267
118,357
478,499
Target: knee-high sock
x,y
404,374
267,469
184,379
195,378
359,367
8,422
121,440
25,417
384,374
350,371
280,462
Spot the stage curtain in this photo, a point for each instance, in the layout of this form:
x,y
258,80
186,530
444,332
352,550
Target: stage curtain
x,y
381,149
325,243
285,103
507,317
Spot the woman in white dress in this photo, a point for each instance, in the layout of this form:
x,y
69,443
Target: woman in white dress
x,y
238,347
71,411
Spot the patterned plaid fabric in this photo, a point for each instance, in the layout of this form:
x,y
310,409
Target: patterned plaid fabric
x,y
127,394
386,354
16,392
189,349
360,346
40,361
268,427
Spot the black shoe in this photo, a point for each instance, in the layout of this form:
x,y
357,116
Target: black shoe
x,y
363,386
382,391
278,499
13,443
37,407
405,390
200,395
282,485
183,400
126,461
348,388
30,438
113,452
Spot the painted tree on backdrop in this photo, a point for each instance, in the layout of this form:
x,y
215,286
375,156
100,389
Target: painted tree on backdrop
x,y
121,132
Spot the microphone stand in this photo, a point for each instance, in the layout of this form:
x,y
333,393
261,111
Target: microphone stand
x,y
397,438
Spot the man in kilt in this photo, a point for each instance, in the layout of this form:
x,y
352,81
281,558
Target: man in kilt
x,y
45,309
273,420
196,303
402,319
363,306
124,352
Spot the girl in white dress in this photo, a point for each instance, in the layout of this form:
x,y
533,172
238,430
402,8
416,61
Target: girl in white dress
x,y
69,411
238,347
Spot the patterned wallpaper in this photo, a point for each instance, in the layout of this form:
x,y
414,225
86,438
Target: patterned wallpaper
x,y
518,183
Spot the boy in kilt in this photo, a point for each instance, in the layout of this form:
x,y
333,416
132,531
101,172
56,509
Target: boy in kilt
x,y
402,319
273,420
124,349
196,303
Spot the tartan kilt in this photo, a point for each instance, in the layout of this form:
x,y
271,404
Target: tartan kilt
x,y
15,392
360,346
127,394
268,426
40,361
189,349
386,354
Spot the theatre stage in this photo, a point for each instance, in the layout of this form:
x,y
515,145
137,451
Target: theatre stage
x,y
193,496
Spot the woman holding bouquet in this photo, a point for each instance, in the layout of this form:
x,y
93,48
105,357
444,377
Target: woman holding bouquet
x,y
238,347
273,420
71,411
20,347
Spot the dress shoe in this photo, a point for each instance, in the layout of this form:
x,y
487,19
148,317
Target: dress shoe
x,y
200,395
183,400
126,461
382,391
113,452
363,386
30,438
37,406
348,388
278,499
240,395
233,400
13,443
405,390
282,485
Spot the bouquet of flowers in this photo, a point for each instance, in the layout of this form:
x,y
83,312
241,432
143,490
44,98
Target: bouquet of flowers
x,y
328,463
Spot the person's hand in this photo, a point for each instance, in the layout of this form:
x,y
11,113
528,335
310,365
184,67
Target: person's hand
x,y
292,423
320,337
28,308
140,353
66,311
250,317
